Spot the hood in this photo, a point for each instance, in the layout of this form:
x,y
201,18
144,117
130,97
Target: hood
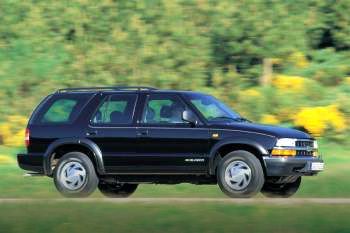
x,y
279,132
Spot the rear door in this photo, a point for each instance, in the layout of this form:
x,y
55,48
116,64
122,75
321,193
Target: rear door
x,y
167,144
113,129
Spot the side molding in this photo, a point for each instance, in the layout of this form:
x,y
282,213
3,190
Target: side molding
x,y
74,141
214,158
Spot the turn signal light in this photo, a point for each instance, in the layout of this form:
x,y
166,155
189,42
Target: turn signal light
x,y
283,152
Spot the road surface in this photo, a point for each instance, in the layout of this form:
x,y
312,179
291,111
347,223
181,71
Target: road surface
x,y
269,201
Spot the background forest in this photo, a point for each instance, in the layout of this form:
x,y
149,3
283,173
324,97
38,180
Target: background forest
x,y
276,62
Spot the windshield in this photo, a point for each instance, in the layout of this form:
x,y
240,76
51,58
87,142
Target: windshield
x,y
212,109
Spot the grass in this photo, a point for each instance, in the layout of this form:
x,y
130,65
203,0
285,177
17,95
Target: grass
x,y
191,218
51,216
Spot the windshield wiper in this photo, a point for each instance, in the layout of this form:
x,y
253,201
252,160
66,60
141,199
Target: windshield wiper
x,y
241,119
238,119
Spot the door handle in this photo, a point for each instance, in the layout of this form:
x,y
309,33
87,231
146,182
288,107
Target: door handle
x,y
142,133
91,133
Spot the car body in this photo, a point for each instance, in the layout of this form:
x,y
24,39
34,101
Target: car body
x,y
135,135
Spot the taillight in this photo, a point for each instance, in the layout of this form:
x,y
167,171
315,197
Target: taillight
x,y
26,138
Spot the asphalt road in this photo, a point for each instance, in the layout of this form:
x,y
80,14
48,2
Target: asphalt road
x,y
269,201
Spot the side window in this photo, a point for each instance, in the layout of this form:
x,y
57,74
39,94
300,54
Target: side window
x,y
60,108
163,109
116,109
60,111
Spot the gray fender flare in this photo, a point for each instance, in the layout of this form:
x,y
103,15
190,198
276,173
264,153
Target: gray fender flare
x,y
214,158
90,145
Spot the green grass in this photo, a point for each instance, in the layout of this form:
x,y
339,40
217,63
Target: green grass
x,y
191,218
52,216
333,182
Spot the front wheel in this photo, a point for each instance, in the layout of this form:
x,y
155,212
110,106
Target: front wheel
x,y
281,190
117,190
240,174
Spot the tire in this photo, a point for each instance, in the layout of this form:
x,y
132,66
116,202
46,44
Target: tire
x,y
243,185
117,190
281,190
83,179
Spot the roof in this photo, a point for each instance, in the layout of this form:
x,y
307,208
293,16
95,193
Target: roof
x,y
118,89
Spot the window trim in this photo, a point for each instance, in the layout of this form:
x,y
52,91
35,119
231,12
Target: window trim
x,y
172,125
107,125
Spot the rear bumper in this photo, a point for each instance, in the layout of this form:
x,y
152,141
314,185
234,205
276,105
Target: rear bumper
x,y
291,166
31,162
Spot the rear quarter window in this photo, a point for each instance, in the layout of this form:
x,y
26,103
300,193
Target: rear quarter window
x,y
61,109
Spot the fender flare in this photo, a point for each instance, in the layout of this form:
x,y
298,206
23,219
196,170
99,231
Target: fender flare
x,y
90,145
214,156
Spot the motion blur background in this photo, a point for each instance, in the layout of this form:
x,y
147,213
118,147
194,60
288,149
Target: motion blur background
x,y
275,62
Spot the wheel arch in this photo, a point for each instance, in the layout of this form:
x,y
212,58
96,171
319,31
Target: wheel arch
x,y
223,148
61,146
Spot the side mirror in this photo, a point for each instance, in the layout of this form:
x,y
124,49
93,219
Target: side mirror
x,y
189,117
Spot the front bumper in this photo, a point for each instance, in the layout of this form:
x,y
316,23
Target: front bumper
x,y
31,162
280,166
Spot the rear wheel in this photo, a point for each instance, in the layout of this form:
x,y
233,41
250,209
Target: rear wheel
x,y
281,190
75,176
240,174
116,190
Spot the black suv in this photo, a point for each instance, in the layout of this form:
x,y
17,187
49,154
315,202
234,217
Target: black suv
x,y
115,138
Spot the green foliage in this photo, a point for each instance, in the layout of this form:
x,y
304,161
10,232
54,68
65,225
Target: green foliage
x,y
212,46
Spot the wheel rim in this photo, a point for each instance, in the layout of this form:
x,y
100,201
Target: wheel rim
x,y
238,175
73,175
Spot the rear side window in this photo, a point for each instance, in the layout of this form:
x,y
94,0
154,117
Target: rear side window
x,y
115,109
61,109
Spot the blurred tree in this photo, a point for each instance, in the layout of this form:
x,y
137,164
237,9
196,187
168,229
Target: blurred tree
x,y
207,45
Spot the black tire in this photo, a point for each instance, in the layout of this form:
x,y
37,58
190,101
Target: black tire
x,y
117,190
87,185
281,190
256,178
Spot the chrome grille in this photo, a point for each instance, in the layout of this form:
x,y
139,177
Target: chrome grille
x,y
307,144
304,143
304,153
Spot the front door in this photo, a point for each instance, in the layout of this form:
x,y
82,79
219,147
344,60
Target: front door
x,y
167,144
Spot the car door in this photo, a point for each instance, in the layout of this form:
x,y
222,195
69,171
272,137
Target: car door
x,y
113,129
167,144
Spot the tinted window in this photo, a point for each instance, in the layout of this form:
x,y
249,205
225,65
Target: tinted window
x,y
61,109
116,109
163,109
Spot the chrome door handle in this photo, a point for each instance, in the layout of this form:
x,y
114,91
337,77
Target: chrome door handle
x,y
142,134
91,133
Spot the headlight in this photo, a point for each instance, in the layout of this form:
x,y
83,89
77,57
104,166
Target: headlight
x,y
284,147
286,142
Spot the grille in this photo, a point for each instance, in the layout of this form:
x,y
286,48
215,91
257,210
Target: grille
x,y
304,144
304,153
307,144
